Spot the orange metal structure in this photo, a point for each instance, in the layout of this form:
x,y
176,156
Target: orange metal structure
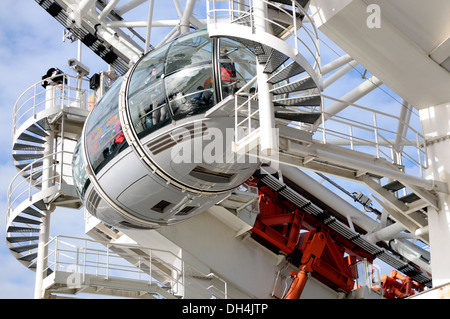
x,y
317,249
397,286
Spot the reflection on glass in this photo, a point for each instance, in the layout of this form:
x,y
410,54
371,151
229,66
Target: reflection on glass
x,y
190,91
171,83
189,51
168,84
148,108
104,136
149,69
237,66
79,171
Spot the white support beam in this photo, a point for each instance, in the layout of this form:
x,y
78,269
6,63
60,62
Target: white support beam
x,y
340,73
185,20
178,8
399,217
385,233
129,6
107,10
435,123
149,26
141,24
336,64
402,130
441,54
353,96
362,162
81,10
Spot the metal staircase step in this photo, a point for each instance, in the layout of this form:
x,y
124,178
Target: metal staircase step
x,y
35,165
40,205
32,212
35,176
276,59
30,138
27,147
21,239
410,198
394,186
244,19
15,229
279,28
44,124
261,51
310,100
24,220
263,54
300,85
37,130
29,257
287,72
21,249
24,157
309,118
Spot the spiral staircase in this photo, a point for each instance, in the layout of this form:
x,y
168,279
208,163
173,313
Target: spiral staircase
x,y
293,70
44,179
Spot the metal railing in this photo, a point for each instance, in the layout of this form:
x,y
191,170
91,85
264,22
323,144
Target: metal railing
x,y
246,117
369,275
375,132
368,131
156,267
302,39
25,184
72,91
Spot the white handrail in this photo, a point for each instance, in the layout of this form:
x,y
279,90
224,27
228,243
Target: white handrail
x,y
382,135
231,14
33,100
155,266
27,186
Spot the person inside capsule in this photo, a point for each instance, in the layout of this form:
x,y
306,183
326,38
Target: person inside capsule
x,y
227,72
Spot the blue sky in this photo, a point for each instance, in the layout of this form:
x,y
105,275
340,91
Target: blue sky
x,y
30,44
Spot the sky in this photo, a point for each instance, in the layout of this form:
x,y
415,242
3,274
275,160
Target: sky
x,y
30,44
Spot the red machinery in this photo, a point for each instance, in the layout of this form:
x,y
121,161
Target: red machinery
x,y
308,242
318,250
398,286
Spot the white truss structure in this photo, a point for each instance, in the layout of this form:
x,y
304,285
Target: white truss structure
x,y
383,151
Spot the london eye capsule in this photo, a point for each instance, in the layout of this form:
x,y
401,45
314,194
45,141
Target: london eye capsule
x,y
149,154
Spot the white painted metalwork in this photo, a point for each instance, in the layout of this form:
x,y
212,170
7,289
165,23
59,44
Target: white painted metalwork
x,y
33,100
368,150
161,273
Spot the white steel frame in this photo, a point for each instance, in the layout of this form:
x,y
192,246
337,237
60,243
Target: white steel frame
x,y
85,12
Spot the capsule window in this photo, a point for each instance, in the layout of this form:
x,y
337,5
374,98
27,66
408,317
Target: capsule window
x,y
148,108
237,66
190,91
189,51
104,136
